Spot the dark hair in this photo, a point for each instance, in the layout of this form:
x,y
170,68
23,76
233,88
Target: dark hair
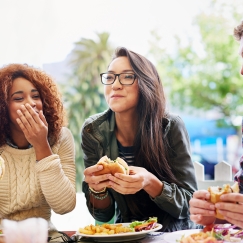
x,y
51,99
238,31
151,151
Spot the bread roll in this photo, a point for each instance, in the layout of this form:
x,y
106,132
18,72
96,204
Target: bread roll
x,y
112,166
216,192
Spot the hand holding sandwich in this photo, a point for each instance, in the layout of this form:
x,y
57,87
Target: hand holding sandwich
x,y
203,211
138,179
123,179
94,176
231,207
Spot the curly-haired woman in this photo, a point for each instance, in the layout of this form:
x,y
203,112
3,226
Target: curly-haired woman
x,y
37,149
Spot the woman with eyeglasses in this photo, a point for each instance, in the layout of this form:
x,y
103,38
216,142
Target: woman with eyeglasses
x,y
36,147
155,144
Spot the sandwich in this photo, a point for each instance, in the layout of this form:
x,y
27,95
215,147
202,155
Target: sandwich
x,y
216,192
2,167
112,166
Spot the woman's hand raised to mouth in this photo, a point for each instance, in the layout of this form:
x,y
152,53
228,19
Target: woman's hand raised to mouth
x,y
33,125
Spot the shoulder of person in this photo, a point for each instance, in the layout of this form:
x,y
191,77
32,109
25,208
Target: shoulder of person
x,y
66,132
171,118
65,136
97,118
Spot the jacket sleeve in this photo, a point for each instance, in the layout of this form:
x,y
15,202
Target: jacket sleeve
x,y
174,199
57,174
91,146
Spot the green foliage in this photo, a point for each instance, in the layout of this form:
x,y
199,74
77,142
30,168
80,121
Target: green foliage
x,y
83,96
204,74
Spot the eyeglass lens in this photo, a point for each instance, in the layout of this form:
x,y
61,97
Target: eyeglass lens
x,y
124,78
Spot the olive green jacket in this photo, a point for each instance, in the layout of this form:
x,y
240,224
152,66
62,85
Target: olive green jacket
x,y
98,139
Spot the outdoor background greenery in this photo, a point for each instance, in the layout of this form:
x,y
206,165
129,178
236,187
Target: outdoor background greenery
x,y
199,74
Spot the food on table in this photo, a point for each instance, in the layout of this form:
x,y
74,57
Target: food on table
x,y
112,166
149,224
218,233
105,229
216,192
200,237
2,167
111,229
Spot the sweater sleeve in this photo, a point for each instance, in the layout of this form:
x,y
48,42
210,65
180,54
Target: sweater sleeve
x,y
56,174
174,199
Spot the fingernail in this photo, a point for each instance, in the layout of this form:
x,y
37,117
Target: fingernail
x,y
207,196
100,167
110,183
217,205
212,207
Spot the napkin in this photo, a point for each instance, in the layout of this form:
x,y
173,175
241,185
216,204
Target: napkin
x,y
32,230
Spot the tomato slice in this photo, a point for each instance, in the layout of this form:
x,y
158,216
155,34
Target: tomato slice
x,y
208,228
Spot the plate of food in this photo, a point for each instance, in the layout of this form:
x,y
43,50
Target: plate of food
x,y
1,232
218,233
119,232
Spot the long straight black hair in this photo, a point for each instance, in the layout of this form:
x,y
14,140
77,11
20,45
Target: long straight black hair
x,y
151,146
151,151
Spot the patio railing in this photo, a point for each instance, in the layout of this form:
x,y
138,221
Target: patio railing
x,y
222,175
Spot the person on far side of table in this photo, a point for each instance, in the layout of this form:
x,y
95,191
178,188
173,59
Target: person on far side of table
x,y
154,142
36,147
202,211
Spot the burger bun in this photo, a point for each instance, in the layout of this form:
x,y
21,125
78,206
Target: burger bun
x,y
112,166
216,192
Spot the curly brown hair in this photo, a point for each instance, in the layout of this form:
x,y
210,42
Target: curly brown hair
x,y
238,31
51,98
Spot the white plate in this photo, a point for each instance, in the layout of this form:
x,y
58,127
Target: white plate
x,y
121,237
175,237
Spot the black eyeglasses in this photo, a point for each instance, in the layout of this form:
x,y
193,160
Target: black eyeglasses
x,y
124,78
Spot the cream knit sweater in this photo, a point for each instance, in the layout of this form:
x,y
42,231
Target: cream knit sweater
x,y
31,189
